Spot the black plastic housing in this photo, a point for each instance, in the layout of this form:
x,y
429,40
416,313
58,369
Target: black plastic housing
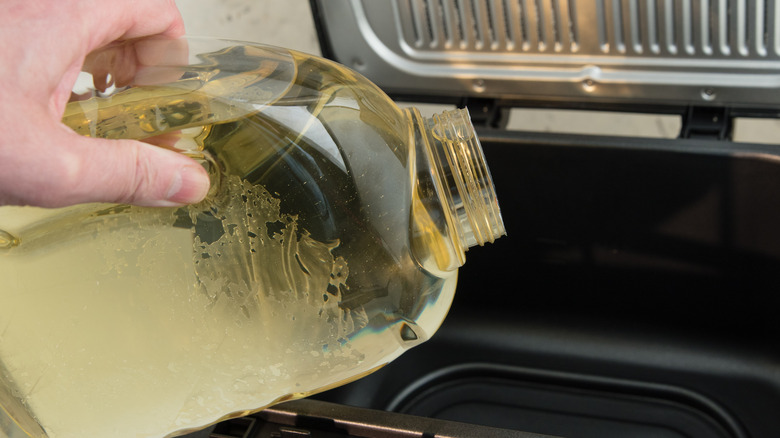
x,y
634,296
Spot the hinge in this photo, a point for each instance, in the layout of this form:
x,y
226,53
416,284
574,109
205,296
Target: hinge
x,y
707,122
486,113
234,428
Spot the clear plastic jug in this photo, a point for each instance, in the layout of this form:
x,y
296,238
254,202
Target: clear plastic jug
x,y
328,244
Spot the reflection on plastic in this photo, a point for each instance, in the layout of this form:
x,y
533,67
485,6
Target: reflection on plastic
x,y
328,245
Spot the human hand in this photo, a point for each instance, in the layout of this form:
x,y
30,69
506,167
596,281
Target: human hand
x,y
44,163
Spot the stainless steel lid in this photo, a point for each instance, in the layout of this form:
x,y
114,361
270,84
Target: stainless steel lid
x,y
687,52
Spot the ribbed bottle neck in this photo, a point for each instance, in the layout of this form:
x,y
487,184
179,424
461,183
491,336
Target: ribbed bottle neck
x,y
466,191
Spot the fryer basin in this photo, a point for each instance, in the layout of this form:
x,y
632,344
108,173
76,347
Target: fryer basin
x,y
634,295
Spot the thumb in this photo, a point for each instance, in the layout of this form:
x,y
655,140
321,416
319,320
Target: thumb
x,y
118,171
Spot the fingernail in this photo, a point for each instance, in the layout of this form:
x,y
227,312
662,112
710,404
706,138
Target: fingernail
x,y
189,186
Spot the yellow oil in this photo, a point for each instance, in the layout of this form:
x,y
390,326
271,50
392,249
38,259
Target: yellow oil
x,y
121,321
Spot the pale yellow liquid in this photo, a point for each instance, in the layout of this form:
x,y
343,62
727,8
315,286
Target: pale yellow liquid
x,y
120,321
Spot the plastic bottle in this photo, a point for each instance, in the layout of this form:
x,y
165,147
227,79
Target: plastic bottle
x,y
328,245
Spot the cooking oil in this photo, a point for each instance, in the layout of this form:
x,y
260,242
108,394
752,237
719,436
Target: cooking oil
x,y
328,245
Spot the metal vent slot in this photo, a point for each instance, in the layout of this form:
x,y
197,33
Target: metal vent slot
x,y
522,19
446,22
764,25
634,27
611,24
491,25
691,28
652,29
458,20
556,26
429,22
541,25
723,25
617,26
509,31
686,24
416,26
555,31
761,30
723,28
477,36
490,16
574,32
427,25
705,24
668,27
773,34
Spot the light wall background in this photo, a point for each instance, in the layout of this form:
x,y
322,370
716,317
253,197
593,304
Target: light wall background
x,y
285,23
